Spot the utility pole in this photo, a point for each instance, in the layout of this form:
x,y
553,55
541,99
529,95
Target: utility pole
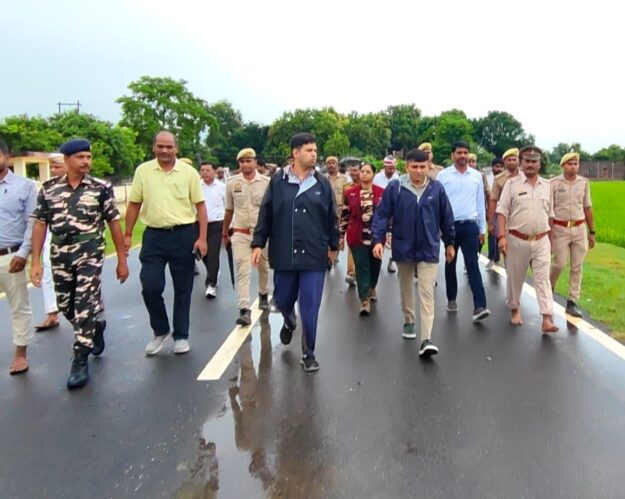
x,y
71,104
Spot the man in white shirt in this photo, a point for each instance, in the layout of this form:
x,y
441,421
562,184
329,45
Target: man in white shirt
x,y
215,196
382,179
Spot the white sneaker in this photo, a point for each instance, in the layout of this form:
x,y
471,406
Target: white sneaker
x,y
211,291
490,265
181,346
156,344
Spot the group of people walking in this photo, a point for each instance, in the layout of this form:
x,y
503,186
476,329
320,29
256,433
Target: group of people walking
x,y
293,223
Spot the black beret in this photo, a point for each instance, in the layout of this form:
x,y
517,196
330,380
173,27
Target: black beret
x,y
75,146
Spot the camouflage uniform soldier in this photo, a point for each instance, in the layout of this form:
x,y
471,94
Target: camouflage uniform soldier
x,y
75,207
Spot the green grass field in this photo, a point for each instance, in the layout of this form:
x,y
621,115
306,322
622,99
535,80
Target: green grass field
x,y
608,203
137,234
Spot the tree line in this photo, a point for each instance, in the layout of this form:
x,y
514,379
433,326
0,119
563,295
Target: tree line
x,y
216,131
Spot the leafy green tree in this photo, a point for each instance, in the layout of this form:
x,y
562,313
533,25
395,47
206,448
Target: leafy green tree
x,y
451,126
499,131
251,135
157,103
368,134
336,145
22,133
220,139
611,153
404,122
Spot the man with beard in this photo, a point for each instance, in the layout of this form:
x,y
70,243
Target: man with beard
x,y
463,186
524,209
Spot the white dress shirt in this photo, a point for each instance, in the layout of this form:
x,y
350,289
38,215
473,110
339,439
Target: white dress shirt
x,y
215,200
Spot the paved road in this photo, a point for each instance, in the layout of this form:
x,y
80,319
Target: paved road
x,y
501,412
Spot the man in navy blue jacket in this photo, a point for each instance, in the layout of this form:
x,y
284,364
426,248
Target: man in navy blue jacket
x,y
421,213
298,217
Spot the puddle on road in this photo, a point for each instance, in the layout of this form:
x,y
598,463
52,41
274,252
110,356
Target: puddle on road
x,y
253,447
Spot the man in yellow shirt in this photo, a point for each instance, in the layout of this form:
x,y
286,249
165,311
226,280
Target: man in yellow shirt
x,y
169,192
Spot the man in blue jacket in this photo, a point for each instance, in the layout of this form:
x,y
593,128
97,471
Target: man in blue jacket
x,y
298,217
421,213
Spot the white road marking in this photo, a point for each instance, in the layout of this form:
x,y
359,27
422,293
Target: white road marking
x,y
585,327
229,348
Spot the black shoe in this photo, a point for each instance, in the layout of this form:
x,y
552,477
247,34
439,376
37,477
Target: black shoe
x,y
286,333
480,313
309,364
245,317
263,302
79,372
573,309
427,349
98,339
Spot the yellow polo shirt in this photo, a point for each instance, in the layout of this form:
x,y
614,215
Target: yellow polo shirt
x,y
167,198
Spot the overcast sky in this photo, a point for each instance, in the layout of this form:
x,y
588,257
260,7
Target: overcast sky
x,y
556,66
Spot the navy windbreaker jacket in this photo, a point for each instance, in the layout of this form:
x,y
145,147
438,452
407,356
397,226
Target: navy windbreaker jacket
x,y
417,226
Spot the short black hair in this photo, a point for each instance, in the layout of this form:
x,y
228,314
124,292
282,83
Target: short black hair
x,y
417,155
366,163
208,163
496,161
3,148
260,162
460,144
301,139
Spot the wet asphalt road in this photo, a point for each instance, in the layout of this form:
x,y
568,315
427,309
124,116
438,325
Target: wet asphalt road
x,y
500,412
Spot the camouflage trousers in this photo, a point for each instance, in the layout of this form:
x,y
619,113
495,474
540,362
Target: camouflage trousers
x,y
77,270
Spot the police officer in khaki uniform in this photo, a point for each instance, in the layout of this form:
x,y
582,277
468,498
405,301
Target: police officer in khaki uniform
x,y
525,207
572,208
338,181
434,169
511,162
244,194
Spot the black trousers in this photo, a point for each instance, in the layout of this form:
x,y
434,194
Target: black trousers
x,y
173,248
211,260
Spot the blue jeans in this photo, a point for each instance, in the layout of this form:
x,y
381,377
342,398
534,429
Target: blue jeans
x,y
468,240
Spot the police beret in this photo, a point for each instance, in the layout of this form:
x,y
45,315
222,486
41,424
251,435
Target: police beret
x,y
510,152
531,152
426,146
248,152
186,160
332,158
75,146
56,157
473,156
569,156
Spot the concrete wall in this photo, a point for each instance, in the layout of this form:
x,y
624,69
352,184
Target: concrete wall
x,y
602,170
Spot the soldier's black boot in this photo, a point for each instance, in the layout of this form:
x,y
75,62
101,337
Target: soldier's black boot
x,y
79,372
573,309
98,339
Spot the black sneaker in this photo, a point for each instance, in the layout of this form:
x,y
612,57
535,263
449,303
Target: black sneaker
x,y
245,317
573,309
263,302
98,338
309,364
427,349
79,372
480,313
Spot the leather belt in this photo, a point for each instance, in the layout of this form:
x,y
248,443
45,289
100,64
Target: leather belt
x,y
569,223
242,231
527,237
7,251
172,228
464,222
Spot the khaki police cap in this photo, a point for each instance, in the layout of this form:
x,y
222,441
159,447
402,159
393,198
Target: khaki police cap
x,y
530,152
426,146
510,152
568,157
248,152
186,160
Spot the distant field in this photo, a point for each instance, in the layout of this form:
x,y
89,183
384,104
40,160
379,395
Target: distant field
x,y
137,234
608,202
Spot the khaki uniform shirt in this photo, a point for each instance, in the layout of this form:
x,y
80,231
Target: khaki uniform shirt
x,y
338,184
570,198
434,171
168,198
245,198
527,209
498,183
